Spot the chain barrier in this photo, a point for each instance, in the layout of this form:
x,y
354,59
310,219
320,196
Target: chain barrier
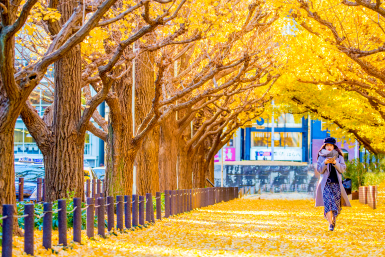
x,y
4,217
21,216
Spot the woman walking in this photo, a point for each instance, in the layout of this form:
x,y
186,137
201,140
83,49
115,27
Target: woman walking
x,y
331,164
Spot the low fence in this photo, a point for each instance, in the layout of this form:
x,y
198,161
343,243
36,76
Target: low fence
x,y
130,211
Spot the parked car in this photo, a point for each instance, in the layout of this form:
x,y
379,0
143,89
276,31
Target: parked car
x,y
100,172
31,172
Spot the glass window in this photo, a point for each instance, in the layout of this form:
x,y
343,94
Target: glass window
x,y
293,139
259,139
230,143
18,135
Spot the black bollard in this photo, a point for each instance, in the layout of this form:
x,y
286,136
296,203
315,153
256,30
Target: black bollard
x,y
158,206
185,200
90,217
208,196
93,188
44,190
39,184
101,230
141,210
135,210
148,207
119,212
190,200
62,218
172,204
21,189
166,204
88,188
178,202
98,189
29,228
110,213
8,212
47,226
127,211
77,220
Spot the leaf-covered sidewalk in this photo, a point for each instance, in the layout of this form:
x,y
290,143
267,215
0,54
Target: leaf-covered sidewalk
x,y
245,228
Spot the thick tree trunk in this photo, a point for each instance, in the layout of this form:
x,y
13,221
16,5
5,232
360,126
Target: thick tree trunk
x,y
198,165
147,158
122,149
64,161
7,174
168,154
185,161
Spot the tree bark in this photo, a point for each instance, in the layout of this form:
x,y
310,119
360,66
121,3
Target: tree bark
x,y
64,161
185,161
168,154
147,158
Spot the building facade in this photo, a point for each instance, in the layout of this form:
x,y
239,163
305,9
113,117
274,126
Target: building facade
x,y
295,140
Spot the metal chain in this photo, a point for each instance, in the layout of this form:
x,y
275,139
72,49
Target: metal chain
x,y
85,208
4,217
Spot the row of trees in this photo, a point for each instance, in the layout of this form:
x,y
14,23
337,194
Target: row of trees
x,y
179,78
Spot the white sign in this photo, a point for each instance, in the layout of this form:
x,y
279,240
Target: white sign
x,y
280,153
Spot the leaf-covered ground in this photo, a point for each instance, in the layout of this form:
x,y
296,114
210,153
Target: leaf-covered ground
x,y
243,228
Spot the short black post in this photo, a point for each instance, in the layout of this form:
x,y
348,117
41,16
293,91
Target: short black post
x,y
88,188
135,210
93,188
190,199
101,230
29,210
236,192
44,190
208,196
180,201
77,220
90,217
21,189
193,199
39,184
141,210
62,218
47,226
98,189
127,211
152,210
148,207
158,205
185,200
166,204
110,213
119,212
8,212
171,194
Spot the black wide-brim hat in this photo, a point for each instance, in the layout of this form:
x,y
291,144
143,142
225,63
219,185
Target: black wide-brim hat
x,y
330,140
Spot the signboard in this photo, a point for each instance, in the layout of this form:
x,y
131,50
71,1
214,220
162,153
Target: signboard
x,y
229,155
280,153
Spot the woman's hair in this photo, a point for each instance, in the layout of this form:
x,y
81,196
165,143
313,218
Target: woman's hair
x,y
335,148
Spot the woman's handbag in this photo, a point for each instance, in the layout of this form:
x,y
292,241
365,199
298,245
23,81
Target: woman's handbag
x,y
347,184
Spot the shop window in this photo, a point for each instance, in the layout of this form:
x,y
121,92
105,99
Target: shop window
x,y
293,139
259,139
230,143
281,139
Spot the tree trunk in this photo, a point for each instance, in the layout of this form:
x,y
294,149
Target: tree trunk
x,y
185,161
7,174
198,165
121,150
64,161
168,154
147,158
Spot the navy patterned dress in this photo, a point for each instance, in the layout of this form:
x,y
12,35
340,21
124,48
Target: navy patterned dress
x,y
332,194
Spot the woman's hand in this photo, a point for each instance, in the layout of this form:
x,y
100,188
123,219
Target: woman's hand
x,y
330,160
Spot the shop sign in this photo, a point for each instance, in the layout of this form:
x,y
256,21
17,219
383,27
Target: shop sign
x,y
280,154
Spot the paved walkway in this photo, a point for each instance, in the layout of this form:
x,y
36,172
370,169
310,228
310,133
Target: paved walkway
x,y
246,227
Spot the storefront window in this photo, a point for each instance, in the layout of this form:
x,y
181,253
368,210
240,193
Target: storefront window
x,y
259,139
293,139
281,139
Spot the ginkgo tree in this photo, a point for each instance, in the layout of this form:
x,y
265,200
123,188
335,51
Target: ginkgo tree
x,y
335,65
